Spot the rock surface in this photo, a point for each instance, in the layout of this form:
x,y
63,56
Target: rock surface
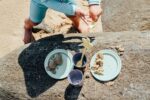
x,y
126,15
22,74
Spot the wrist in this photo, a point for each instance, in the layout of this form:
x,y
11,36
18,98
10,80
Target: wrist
x,y
94,2
91,5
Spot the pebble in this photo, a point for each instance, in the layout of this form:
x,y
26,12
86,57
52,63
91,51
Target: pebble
x,y
110,83
87,75
121,53
121,49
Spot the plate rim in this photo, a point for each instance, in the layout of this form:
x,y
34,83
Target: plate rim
x,y
117,57
57,51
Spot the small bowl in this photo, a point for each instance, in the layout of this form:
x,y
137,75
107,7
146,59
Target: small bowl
x,y
75,78
77,57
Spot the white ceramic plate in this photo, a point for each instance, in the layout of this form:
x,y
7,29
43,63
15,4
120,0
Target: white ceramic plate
x,y
112,65
65,68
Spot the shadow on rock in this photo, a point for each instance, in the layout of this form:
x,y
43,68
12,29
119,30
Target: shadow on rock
x,y
72,93
32,59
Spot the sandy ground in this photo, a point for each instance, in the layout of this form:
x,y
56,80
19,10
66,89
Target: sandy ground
x,y
119,15
12,14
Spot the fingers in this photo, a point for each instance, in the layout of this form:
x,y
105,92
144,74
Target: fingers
x,y
79,12
84,20
95,12
83,14
95,18
88,18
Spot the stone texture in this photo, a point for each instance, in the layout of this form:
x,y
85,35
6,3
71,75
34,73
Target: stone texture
x,y
22,74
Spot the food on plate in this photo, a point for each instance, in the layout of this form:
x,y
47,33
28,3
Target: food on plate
x,y
98,64
58,58
100,56
54,61
98,72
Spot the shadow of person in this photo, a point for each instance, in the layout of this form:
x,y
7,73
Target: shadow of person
x,y
72,93
72,30
31,60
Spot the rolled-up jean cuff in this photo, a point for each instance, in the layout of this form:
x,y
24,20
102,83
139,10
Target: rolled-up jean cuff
x,y
74,11
91,2
94,3
35,20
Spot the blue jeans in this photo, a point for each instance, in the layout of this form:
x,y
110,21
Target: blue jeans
x,y
38,8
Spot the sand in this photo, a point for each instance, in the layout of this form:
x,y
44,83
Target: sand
x,y
12,14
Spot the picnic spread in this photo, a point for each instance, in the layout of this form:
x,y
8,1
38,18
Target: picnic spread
x,y
105,65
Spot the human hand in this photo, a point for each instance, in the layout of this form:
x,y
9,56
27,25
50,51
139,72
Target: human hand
x,y
80,12
95,11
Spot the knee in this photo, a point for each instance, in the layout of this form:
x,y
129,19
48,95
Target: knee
x,y
28,24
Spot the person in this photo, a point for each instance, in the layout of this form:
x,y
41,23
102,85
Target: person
x,y
77,15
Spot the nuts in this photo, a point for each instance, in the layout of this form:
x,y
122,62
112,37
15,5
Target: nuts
x,y
111,83
98,66
100,56
58,58
87,75
98,72
54,61
119,49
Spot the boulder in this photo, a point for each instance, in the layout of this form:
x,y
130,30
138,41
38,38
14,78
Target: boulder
x,y
22,73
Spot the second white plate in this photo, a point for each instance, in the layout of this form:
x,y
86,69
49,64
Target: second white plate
x,y
111,65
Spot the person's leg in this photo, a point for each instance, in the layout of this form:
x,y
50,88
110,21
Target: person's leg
x,y
68,7
37,14
28,25
79,24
